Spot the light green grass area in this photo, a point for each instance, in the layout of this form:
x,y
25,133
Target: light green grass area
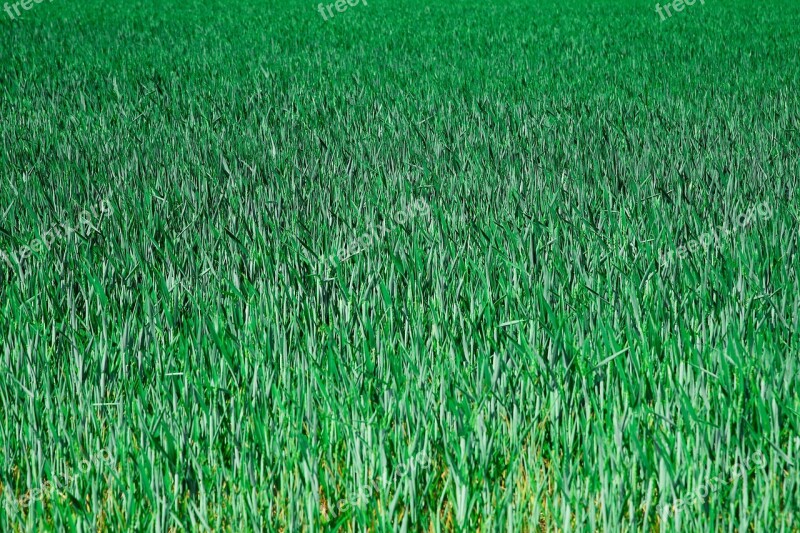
x,y
515,356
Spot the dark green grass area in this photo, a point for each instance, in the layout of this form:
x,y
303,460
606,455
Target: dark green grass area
x,y
514,357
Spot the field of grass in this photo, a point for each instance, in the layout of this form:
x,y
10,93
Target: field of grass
x,y
517,347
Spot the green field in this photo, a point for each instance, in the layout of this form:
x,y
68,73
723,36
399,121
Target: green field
x,y
577,307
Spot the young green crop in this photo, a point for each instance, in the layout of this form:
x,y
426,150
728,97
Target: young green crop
x,y
522,335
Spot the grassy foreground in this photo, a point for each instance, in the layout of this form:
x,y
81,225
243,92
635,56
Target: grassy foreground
x,y
519,343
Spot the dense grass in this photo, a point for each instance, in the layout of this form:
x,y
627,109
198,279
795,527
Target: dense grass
x,y
513,359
